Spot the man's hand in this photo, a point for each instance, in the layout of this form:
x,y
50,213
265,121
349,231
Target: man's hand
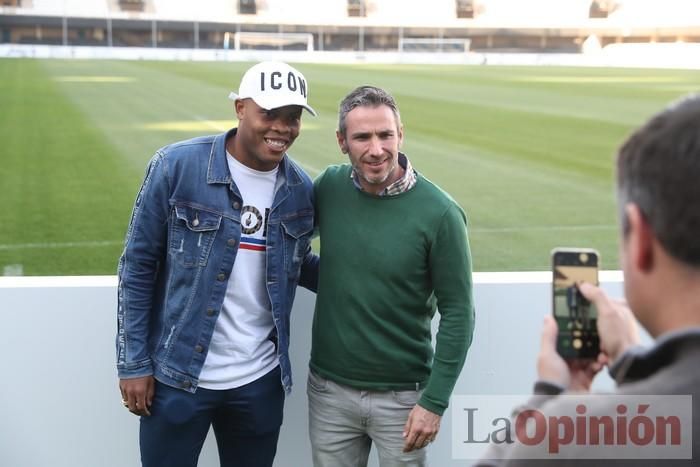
x,y
137,394
574,375
421,428
617,327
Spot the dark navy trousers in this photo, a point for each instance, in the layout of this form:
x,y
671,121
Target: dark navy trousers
x,y
246,422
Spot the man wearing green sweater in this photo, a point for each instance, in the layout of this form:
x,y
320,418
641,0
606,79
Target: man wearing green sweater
x,y
394,250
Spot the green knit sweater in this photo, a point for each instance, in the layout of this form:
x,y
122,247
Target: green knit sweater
x,y
386,263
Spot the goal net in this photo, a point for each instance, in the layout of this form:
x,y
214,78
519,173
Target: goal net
x,y
434,45
269,40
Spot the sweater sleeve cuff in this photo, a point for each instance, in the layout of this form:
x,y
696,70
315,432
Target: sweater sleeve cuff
x,y
548,388
429,406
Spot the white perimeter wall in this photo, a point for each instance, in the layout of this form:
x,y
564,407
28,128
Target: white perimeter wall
x,y
60,404
659,55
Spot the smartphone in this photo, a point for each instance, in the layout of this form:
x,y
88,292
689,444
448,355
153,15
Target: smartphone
x,y
575,316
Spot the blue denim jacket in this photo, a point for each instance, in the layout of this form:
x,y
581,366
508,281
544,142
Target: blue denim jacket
x,y
180,248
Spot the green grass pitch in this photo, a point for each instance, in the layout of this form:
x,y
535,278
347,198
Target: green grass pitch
x,y
527,151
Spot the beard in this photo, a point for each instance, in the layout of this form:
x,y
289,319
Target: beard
x,y
375,179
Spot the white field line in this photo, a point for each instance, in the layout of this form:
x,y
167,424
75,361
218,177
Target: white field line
x,y
13,270
54,245
211,123
42,282
541,228
314,170
104,243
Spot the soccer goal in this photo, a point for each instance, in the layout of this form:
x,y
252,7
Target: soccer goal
x,y
270,40
435,44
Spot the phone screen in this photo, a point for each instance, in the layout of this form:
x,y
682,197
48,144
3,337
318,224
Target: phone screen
x,y
575,316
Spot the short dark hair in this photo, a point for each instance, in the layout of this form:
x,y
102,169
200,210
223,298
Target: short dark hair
x,y
658,169
366,96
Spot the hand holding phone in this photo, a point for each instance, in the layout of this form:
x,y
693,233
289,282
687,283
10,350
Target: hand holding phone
x,y
576,317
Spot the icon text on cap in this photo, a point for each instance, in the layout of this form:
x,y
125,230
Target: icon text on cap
x,y
294,83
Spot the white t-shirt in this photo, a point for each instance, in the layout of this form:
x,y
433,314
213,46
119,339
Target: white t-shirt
x,y
240,350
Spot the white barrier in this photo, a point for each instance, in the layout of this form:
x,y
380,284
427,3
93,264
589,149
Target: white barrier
x,y
61,406
667,55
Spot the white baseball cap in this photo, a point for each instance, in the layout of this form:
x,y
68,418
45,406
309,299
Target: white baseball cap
x,y
272,85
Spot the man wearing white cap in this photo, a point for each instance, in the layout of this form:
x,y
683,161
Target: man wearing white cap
x,y
217,243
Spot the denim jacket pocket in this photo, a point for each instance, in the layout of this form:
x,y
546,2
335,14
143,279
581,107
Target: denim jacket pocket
x,y
192,232
297,232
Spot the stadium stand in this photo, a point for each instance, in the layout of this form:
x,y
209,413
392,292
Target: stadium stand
x,y
541,26
132,5
534,12
668,12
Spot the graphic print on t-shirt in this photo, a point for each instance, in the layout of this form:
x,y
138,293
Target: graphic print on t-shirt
x,y
252,221
240,350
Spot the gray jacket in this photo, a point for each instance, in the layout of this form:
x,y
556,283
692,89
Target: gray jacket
x,y
670,367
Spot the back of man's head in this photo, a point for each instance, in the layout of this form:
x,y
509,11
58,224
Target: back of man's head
x,y
658,169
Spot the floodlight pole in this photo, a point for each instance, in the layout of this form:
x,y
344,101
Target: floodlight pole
x,y
64,25
362,28
154,34
109,30
280,31
108,19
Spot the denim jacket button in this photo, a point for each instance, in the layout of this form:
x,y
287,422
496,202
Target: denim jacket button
x,y
236,205
198,348
221,277
231,242
186,384
210,312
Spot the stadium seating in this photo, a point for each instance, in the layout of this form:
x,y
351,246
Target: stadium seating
x,y
386,12
353,25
